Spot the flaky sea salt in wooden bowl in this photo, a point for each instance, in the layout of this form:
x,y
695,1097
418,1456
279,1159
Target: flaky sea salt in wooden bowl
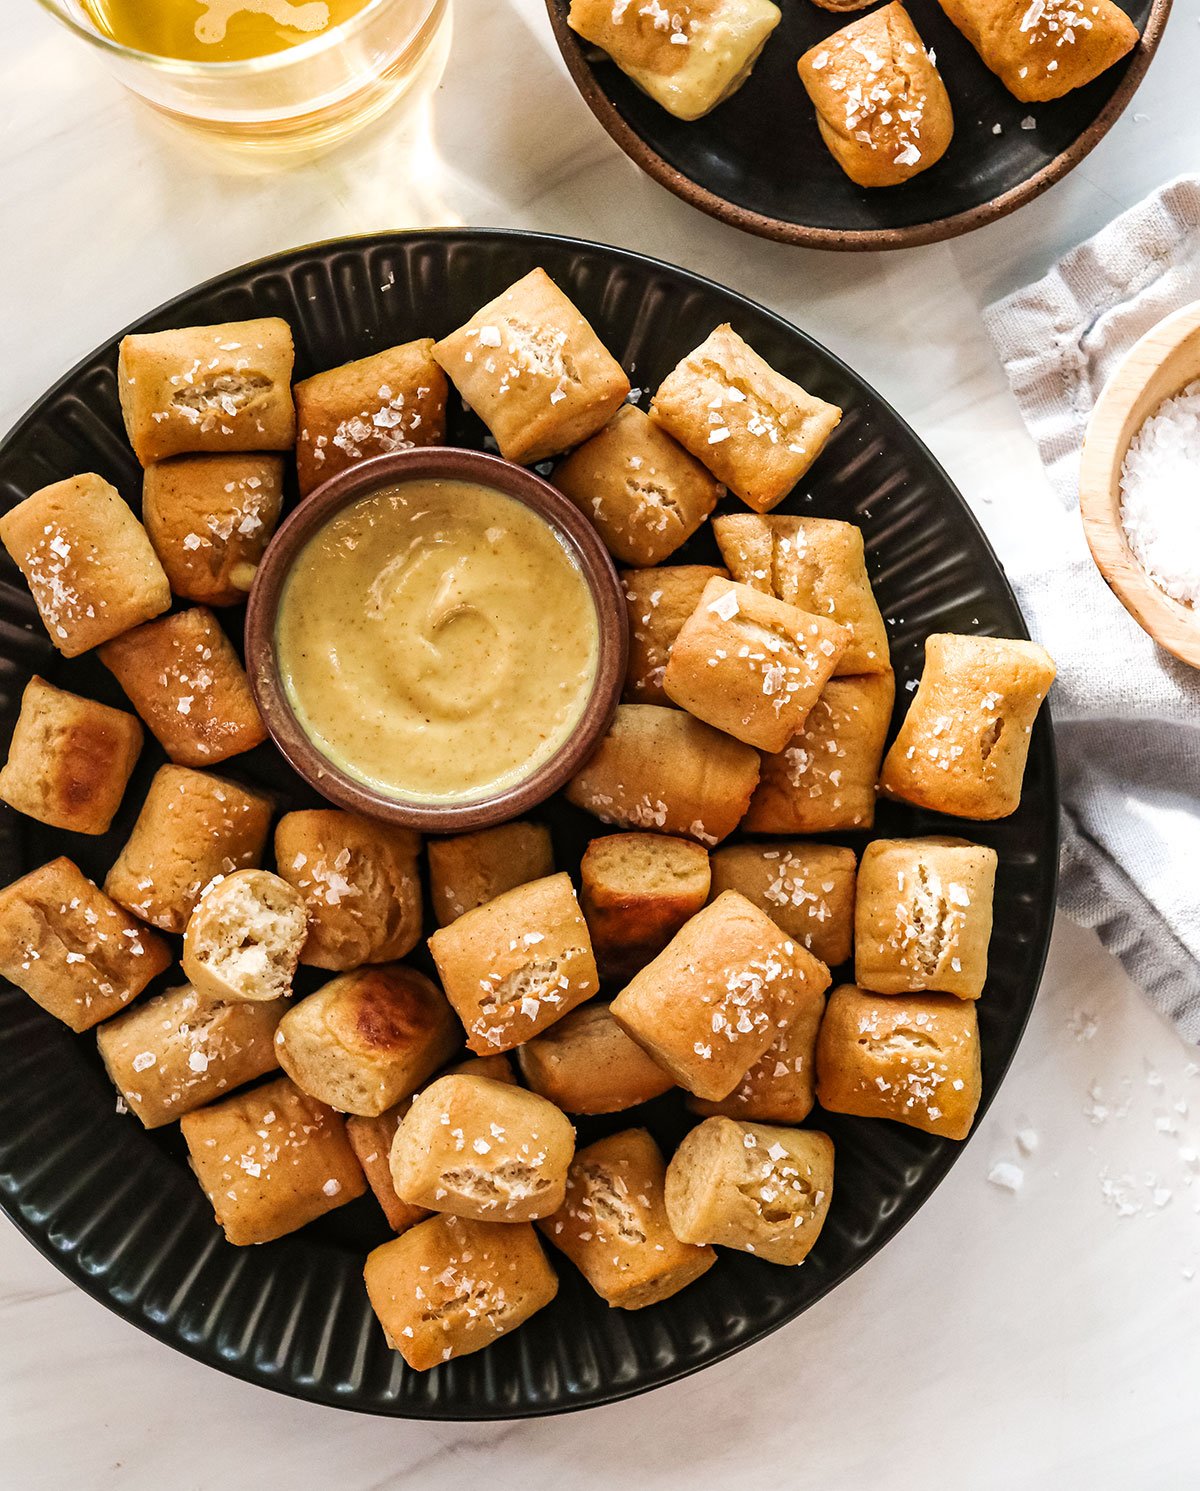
x,y
1160,495
1139,483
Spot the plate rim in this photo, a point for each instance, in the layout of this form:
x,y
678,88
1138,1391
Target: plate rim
x,y
853,240
64,1259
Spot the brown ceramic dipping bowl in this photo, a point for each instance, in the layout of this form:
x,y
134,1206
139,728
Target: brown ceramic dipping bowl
x,y
432,464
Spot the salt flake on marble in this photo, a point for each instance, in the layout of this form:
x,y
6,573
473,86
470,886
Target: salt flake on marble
x,y
1083,1025
1006,1176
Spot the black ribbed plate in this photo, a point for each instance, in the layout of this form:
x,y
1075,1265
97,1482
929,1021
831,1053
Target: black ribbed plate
x,y
117,1210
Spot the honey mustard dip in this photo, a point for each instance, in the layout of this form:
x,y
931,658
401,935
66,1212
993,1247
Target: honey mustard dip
x,y
437,640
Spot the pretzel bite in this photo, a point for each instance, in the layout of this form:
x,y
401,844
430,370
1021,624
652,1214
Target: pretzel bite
x,y
757,1188
178,1051
806,889
755,430
924,916
390,401
1044,49
533,370
637,890
87,561
471,869
482,1149
208,388
882,107
965,739
270,1160
69,760
515,966
371,1140
613,1224
824,778
452,1286
210,519
587,1064
658,602
780,1086
689,58
710,1004
814,563
640,490
192,828
751,665
661,769
186,681
359,880
496,1068
913,1058
368,1039
243,940
73,950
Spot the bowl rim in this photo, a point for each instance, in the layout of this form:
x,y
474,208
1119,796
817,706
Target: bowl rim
x,y
1126,401
853,240
435,463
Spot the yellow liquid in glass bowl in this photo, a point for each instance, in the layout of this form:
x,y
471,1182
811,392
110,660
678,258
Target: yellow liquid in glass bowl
x,y
217,30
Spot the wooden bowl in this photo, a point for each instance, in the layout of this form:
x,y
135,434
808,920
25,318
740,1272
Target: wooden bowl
x,y
1159,366
445,464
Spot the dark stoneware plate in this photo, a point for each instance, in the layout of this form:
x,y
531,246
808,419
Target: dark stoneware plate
x,y
758,162
116,1208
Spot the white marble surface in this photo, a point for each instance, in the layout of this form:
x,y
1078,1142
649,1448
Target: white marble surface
x,y
1031,1340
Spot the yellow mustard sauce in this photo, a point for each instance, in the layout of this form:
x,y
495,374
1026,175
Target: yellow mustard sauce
x,y
437,640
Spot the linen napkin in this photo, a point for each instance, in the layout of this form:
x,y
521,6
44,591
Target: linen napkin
x,y
1127,714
